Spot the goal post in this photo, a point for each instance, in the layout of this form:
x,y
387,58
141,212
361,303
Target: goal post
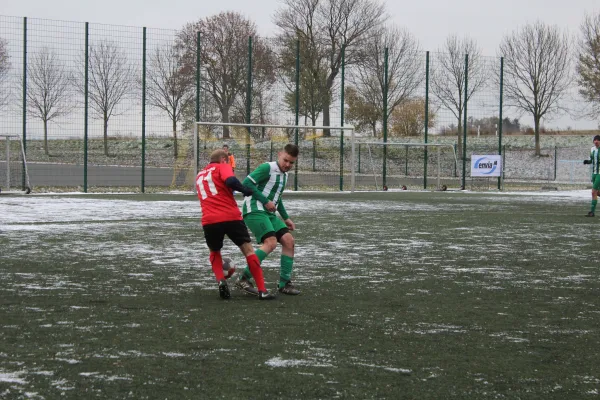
x,y
293,133
411,164
14,176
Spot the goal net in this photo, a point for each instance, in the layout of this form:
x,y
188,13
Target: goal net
x,y
384,166
325,161
13,165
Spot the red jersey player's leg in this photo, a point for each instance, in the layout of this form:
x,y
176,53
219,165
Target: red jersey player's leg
x,y
214,235
256,271
238,233
216,261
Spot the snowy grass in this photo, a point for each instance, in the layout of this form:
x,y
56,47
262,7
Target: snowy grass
x,y
406,295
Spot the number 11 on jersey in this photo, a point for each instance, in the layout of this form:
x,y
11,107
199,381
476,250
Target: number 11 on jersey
x,y
206,175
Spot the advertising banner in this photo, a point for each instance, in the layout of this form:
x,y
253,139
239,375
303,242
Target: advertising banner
x,y
486,165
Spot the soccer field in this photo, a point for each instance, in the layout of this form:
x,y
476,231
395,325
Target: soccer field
x,y
407,295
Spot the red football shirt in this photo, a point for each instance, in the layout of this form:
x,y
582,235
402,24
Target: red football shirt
x,y
216,199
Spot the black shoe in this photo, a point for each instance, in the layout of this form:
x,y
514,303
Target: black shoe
x,y
590,214
289,289
244,284
265,296
224,290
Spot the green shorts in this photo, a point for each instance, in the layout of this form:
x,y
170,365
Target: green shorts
x,y
262,223
596,181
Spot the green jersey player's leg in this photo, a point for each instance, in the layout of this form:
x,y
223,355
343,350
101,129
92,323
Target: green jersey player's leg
x,y
268,182
595,189
264,225
594,161
596,181
260,225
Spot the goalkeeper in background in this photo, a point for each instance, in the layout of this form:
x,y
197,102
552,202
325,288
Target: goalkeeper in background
x,y
230,157
594,160
268,182
221,216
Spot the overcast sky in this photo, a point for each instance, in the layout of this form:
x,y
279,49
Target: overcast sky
x,y
430,21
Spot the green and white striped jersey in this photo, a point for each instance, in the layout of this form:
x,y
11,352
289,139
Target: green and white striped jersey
x,y
595,157
270,182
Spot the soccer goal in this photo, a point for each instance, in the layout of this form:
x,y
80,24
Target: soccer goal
x,y
409,165
322,162
14,177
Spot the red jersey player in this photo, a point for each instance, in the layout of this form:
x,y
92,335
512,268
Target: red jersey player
x,y
221,216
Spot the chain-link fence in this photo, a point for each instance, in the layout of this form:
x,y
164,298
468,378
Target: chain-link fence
x,y
104,107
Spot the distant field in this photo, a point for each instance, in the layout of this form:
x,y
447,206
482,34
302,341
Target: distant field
x,y
406,295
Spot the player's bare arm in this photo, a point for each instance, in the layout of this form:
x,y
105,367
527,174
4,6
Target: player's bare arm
x,y
270,207
282,211
290,224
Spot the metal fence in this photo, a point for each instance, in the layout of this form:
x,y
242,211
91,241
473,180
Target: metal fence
x,y
103,107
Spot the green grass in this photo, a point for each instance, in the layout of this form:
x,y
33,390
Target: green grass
x,y
405,295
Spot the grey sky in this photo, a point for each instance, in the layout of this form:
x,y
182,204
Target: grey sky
x,y
430,21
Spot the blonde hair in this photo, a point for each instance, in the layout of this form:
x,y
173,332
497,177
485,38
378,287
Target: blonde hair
x,y
217,155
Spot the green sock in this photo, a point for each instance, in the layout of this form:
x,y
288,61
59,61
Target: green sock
x,y
594,202
285,273
261,256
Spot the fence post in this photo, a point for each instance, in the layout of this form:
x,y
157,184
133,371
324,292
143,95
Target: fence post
x,y
314,154
24,111
555,161
406,160
342,118
144,111
24,86
86,107
249,104
359,158
503,161
455,161
297,101
500,118
198,99
271,155
464,160
385,115
426,120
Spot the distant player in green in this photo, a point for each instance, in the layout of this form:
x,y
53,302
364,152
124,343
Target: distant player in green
x,y
594,160
268,182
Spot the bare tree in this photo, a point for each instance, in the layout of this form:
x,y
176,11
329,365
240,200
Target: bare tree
x,y
170,87
264,104
223,57
331,24
536,71
112,79
48,89
209,112
448,77
404,75
312,76
4,68
362,111
408,118
313,93
263,77
588,66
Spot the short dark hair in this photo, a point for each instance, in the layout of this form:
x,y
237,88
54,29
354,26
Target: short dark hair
x,y
292,149
597,137
225,146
